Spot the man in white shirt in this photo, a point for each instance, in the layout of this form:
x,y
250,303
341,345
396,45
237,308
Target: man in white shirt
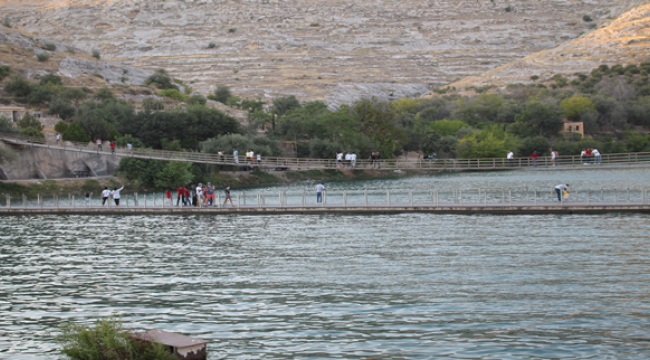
x,y
105,195
510,157
99,144
353,160
339,159
348,157
319,192
116,195
559,189
199,194
235,155
129,147
252,156
58,137
596,155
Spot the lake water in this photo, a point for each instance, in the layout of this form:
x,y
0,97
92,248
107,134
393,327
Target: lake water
x,y
343,286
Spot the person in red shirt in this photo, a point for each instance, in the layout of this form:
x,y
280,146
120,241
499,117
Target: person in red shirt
x,y
187,197
588,155
180,193
534,156
112,147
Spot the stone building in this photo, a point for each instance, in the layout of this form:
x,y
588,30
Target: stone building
x,y
16,113
573,127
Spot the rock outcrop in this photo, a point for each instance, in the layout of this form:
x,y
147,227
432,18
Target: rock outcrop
x,y
334,50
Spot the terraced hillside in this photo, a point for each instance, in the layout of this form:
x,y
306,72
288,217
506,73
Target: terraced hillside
x,y
330,50
626,40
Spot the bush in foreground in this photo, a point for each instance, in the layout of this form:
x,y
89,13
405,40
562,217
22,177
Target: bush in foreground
x,y
106,339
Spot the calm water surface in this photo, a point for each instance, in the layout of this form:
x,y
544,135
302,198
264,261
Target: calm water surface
x,y
277,287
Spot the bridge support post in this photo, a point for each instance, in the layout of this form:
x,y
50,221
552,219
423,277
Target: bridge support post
x,y
485,195
437,197
388,197
145,201
503,196
615,198
365,196
304,198
510,196
535,195
24,202
588,197
460,197
345,198
8,202
411,197
280,198
163,200
238,201
74,206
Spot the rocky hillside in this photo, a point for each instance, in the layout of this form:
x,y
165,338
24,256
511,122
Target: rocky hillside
x,y
333,50
625,40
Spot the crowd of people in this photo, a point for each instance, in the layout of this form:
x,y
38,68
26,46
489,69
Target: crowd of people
x,y
201,196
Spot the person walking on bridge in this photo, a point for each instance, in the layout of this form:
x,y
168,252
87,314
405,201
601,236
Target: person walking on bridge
x,y
235,155
112,144
180,195
510,157
319,192
99,144
116,195
105,195
559,189
534,156
339,159
228,197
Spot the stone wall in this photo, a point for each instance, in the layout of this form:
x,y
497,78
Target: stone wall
x,y
40,163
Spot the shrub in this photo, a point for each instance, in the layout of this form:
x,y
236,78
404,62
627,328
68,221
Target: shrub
x,y
196,100
50,79
7,125
6,23
534,77
7,155
314,24
212,45
232,30
587,18
49,47
447,127
60,127
151,104
74,132
104,93
128,138
96,54
173,94
537,143
31,132
618,69
75,95
106,340
574,106
161,80
42,57
509,9
4,71
222,93
39,95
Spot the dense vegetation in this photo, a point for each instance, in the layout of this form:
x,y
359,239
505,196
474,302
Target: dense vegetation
x,y
612,102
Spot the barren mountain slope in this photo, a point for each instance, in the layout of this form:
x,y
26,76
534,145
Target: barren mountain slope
x,y
331,50
625,40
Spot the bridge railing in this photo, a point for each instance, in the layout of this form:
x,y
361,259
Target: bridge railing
x,y
284,163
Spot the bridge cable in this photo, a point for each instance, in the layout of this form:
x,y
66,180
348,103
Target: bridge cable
x,y
509,330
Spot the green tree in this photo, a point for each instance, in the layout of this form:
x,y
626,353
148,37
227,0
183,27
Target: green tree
x,y
60,127
171,145
31,132
18,86
447,127
379,122
173,94
75,133
62,108
222,93
574,106
490,142
122,141
541,119
150,104
4,71
233,101
636,141
7,125
28,121
39,96
104,93
282,105
96,54
74,95
145,172
537,143
174,174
